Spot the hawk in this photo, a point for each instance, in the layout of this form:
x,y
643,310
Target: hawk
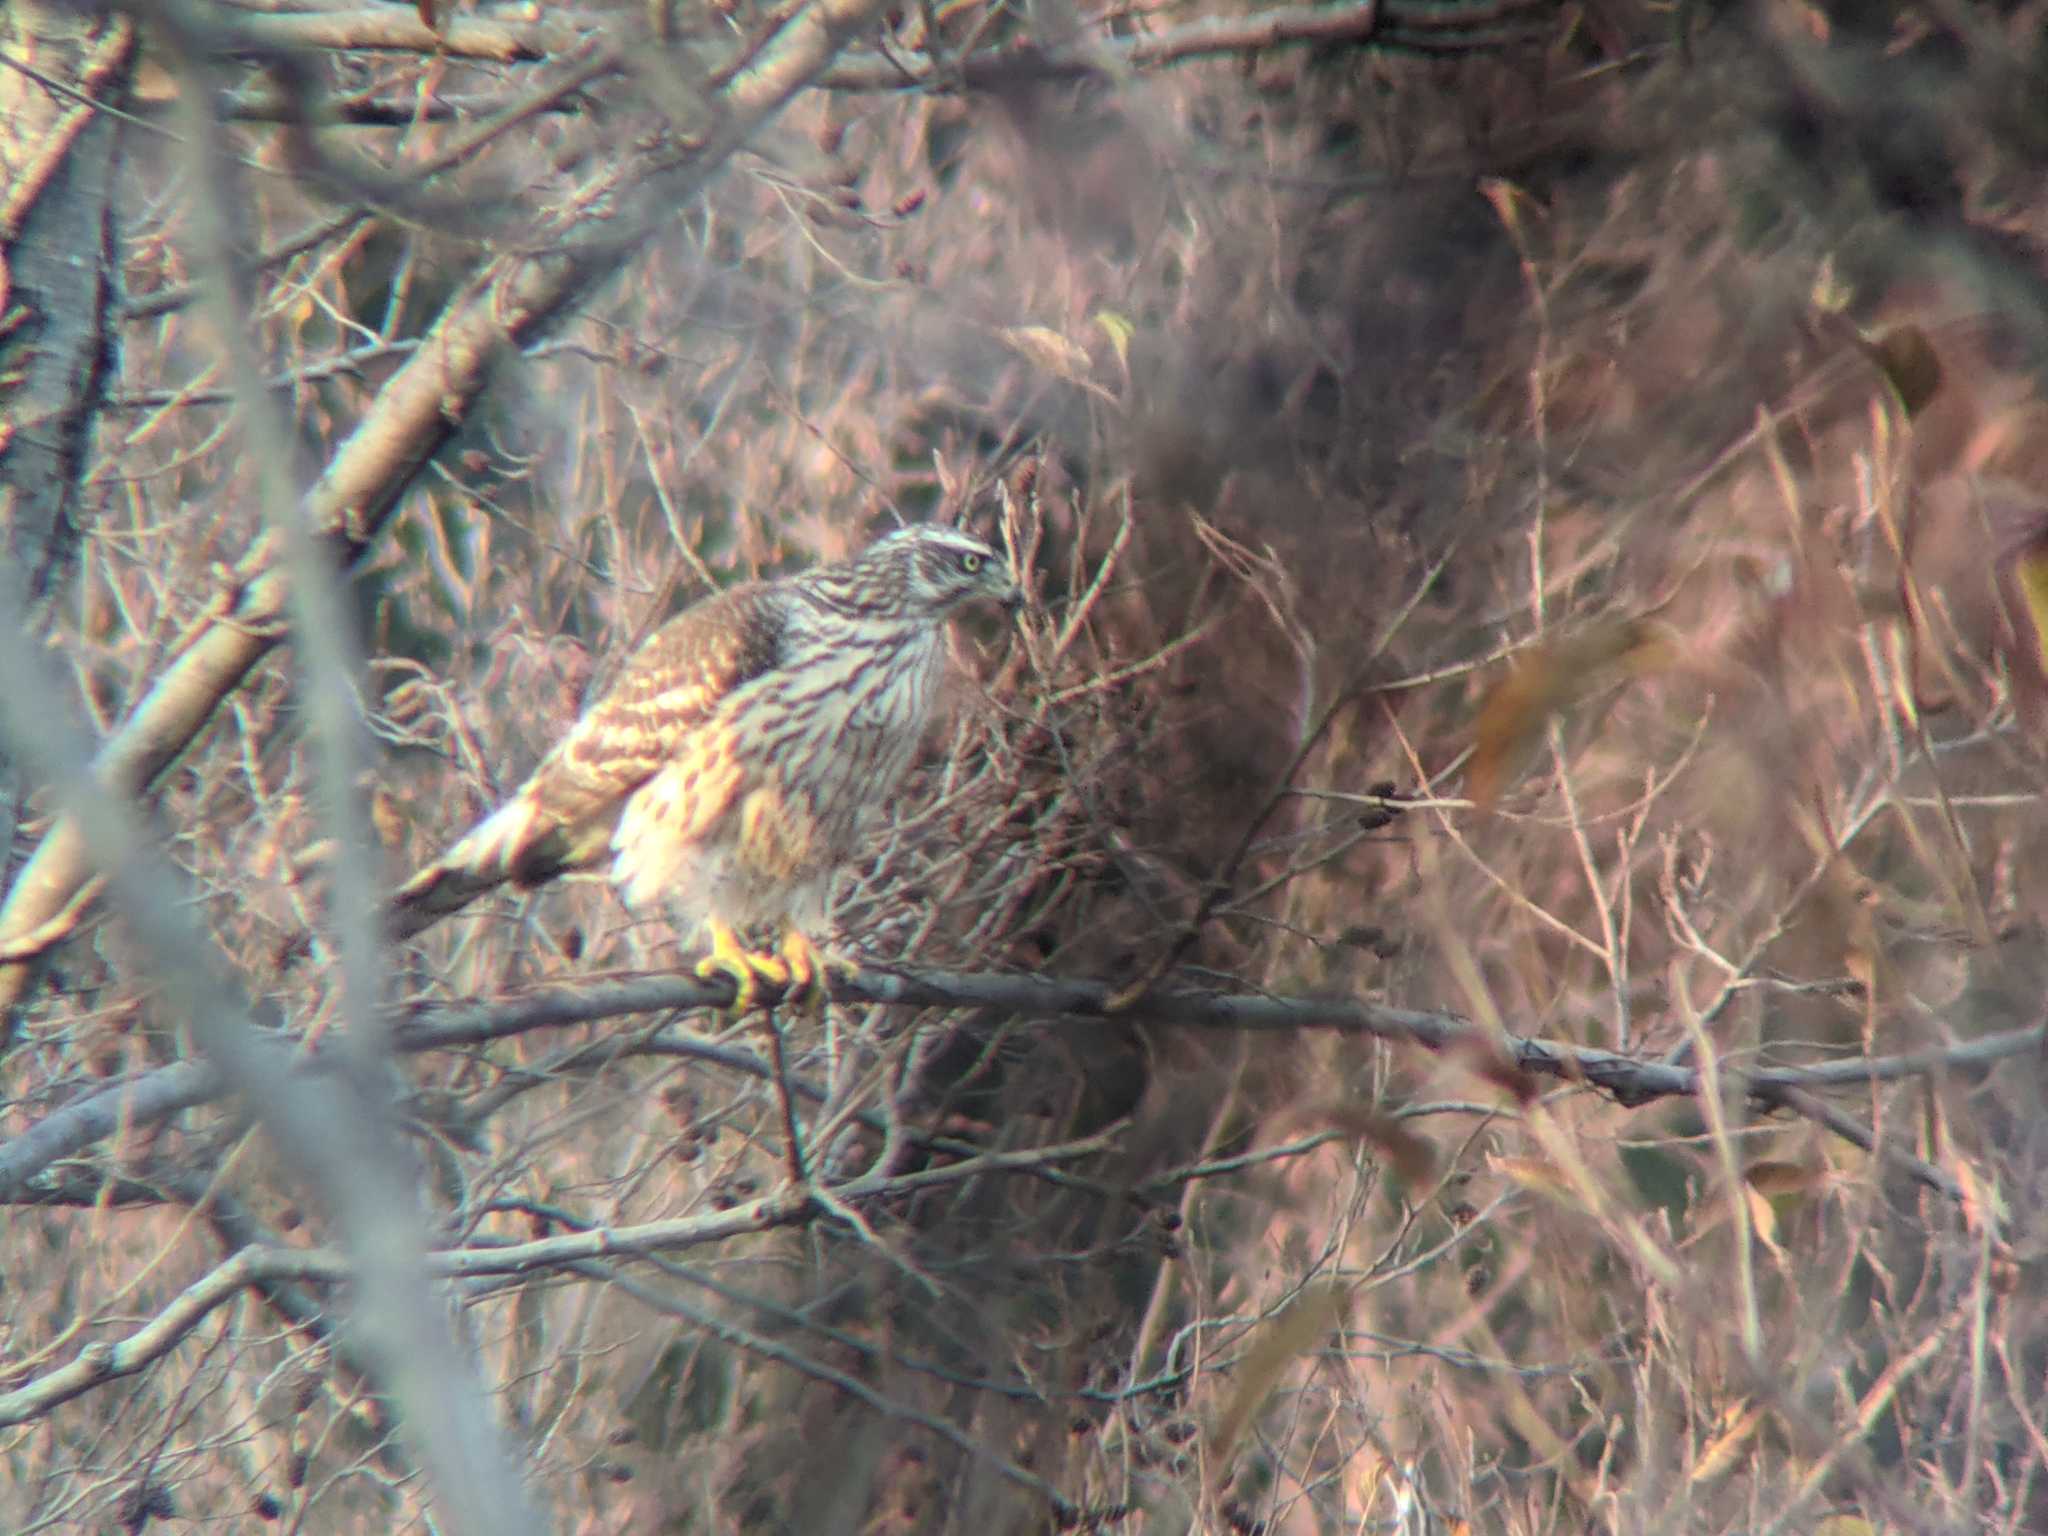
x,y
730,768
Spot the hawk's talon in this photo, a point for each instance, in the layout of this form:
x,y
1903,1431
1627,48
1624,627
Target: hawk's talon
x,y
812,969
746,969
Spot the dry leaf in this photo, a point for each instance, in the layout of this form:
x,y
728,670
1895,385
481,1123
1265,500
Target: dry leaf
x,y
1534,1174
1737,1424
1281,1340
1510,202
1544,682
2028,576
1049,350
1412,1156
1830,294
153,83
389,819
1777,1178
1763,1217
1489,1060
2010,445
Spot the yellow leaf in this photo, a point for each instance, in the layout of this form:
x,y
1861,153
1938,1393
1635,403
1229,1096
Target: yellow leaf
x,y
1049,350
1737,1423
1119,331
2030,579
1539,1177
1843,1525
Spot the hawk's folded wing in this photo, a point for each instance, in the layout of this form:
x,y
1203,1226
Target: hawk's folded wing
x,y
664,708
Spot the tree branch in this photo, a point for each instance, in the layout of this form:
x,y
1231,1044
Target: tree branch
x,y
1388,25
101,1362
1402,26
505,305
397,29
439,1027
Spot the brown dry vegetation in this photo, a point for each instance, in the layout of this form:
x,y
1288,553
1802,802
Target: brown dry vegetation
x,y
1536,518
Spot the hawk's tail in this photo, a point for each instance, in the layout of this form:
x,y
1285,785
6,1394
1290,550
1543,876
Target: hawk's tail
x,y
517,843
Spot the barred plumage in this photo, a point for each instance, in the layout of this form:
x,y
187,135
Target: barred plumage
x,y
729,769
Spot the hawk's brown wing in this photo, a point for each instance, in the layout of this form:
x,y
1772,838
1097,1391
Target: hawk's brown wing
x,y
562,817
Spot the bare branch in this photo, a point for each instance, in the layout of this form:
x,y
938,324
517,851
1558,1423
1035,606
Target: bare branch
x,y
1384,24
1630,1081
56,294
397,29
504,306
332,1137
99,1363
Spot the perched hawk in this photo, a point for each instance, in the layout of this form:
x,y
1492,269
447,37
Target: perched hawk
x,y
730,768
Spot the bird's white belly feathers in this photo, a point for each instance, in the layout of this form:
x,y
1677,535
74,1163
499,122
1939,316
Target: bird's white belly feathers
x,y
817,752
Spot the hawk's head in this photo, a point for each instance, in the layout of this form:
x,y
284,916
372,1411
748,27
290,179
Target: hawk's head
x,y
941,568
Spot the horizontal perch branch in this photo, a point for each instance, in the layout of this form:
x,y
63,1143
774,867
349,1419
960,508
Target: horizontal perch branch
x,y
1399,26
1388,25
156,1095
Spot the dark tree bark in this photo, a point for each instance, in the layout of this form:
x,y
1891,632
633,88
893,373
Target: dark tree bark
x,y
56,269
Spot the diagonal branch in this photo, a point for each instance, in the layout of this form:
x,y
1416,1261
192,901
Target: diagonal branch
x,y
100,1361
509,302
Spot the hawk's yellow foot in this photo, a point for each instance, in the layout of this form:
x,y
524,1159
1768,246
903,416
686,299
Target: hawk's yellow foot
x,y
810,967
746,969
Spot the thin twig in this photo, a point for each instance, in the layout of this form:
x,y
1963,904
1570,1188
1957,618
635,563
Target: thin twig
x,y
792,1133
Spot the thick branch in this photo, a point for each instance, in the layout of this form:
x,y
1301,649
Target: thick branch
x,y
1408,26
398,29
504,306
56,284
1388,25
158,1094
414,415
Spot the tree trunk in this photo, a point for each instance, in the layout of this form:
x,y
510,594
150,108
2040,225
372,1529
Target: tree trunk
x,y
57,161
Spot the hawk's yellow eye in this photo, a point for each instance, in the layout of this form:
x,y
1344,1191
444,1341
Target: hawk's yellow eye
x,y
971,562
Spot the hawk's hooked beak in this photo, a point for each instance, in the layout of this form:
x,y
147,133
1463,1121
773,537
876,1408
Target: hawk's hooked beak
x,y
1007,592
